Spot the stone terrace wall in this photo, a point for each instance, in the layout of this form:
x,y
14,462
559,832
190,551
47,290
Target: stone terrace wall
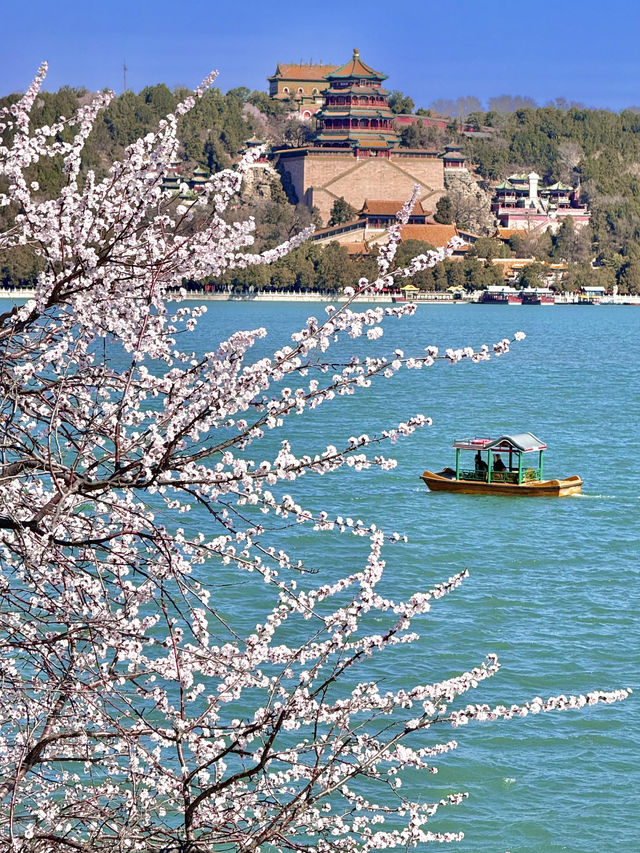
x,y
320,178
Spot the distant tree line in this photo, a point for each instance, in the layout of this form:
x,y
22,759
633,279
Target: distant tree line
x,y
330,268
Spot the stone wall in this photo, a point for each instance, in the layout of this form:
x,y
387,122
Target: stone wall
x,y
320,178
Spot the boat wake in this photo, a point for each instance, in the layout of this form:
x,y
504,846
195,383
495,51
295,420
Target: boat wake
x,y
593,497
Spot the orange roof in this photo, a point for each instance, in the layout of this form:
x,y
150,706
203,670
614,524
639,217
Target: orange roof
x,y
505,233
510,265
437,235
359,248
303,71
389,208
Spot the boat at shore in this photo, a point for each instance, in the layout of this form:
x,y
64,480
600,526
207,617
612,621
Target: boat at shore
x,y
500,295
504,295
491,475
538,296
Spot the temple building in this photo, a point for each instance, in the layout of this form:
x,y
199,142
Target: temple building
x,y
382,214
355,153
454,159
368,229
183,187
301,84
522,202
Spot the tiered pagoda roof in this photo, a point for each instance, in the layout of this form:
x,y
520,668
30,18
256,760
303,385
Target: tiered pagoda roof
x,y
355,112
355,69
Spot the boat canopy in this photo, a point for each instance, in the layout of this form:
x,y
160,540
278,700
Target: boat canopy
x,y
524,442
501,288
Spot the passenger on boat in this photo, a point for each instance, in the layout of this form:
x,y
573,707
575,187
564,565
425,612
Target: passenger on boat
x,y
498,464
481,465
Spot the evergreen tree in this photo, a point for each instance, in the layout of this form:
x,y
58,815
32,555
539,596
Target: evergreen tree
x,y
629,274
489,248
400,104
571,243
341,212
532,275
417,135
334,268
444,211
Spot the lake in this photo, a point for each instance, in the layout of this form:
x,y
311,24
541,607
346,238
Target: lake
x,y
554,586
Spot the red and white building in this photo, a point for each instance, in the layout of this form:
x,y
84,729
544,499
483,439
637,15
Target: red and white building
x,y
522,203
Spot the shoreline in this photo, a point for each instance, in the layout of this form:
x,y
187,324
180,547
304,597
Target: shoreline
x,y
431,298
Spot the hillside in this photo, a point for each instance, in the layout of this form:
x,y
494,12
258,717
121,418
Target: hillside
x,y
595,149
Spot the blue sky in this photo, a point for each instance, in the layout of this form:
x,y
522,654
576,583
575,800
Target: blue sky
x,y
584,51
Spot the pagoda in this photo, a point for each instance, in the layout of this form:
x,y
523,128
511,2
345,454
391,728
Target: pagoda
x,y
356,153
356,114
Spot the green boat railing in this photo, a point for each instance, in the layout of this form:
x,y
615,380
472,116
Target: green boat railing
x,y
514,472
529,475
480,476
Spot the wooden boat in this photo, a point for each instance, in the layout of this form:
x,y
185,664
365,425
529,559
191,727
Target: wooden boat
x,y
492,476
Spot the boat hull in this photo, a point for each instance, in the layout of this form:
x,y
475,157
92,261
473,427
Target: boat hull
x,y
444,481
539,300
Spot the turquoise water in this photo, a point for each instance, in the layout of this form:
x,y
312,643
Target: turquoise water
x,y
554,585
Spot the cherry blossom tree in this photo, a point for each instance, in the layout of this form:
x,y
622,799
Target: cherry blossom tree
x,y
137,713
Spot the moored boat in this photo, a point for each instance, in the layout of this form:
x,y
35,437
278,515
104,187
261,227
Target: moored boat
x,y
538,296
590,295
497,294
491,475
